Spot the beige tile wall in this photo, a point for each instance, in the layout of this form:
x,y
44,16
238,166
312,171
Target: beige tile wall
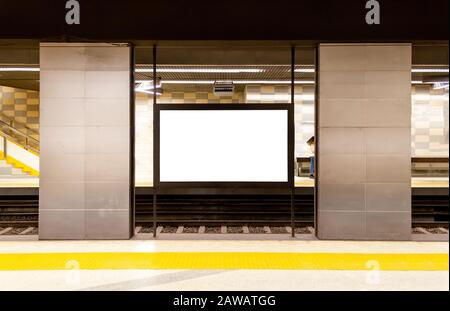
x,y
85,141
364,146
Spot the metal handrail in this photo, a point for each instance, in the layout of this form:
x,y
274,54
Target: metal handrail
x,y
27,146
13,122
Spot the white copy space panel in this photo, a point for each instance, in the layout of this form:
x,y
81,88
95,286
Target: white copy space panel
x,y
223,146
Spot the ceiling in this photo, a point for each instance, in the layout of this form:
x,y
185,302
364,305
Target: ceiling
x,y
218,62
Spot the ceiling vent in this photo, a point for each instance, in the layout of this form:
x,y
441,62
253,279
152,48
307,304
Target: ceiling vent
x,y
223,88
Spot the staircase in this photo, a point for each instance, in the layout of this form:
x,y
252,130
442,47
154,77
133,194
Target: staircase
x,y
19,152
8,170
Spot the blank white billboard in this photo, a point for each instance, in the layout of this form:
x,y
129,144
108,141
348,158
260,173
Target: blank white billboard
x,y
224,146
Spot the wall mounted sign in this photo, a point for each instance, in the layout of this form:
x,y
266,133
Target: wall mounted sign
x,y
226,145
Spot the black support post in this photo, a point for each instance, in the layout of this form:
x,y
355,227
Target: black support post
x,y
316,138
154,213
154,135
132,143
293,138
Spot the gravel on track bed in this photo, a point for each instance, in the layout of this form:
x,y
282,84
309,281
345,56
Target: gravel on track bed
x,y
169,230
35,231
302,230
435,231
190,229
278,230
235,230
212,230
417,231
146,230
256,230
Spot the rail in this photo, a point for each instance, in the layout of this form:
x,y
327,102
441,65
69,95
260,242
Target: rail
x,y
25,143
427,209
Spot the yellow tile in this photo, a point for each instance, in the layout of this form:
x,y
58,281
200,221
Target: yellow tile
x,y
189,96
8,89
20,95
32,101
8,101
32,113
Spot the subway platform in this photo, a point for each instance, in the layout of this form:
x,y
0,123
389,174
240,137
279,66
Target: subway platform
x,y
204,265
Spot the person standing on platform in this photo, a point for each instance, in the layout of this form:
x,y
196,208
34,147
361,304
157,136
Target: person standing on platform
x,y
311,143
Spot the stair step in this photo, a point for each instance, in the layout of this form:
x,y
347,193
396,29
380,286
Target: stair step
x,y
8,170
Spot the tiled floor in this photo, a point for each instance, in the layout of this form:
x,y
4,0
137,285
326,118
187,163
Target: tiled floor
x,y
223,265
206,280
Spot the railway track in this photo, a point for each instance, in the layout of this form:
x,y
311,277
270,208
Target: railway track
x,y
226,210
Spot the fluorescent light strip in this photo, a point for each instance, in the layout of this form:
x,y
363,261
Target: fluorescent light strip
x,y
235,82
147,85
254,82
146,91
308,70
222,70
278,97
203,70
187,82
21,69
429,70
217,70
427,82
272,82
251,70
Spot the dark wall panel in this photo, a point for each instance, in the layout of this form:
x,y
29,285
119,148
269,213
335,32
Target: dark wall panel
x,y
326,20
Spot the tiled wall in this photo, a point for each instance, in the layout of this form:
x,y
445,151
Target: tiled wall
x,y
144,140
429,117
430,133
21,106
304,109
364,149
84,187
198,98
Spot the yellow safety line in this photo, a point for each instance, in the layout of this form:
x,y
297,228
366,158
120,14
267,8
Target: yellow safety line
x,y
224,260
